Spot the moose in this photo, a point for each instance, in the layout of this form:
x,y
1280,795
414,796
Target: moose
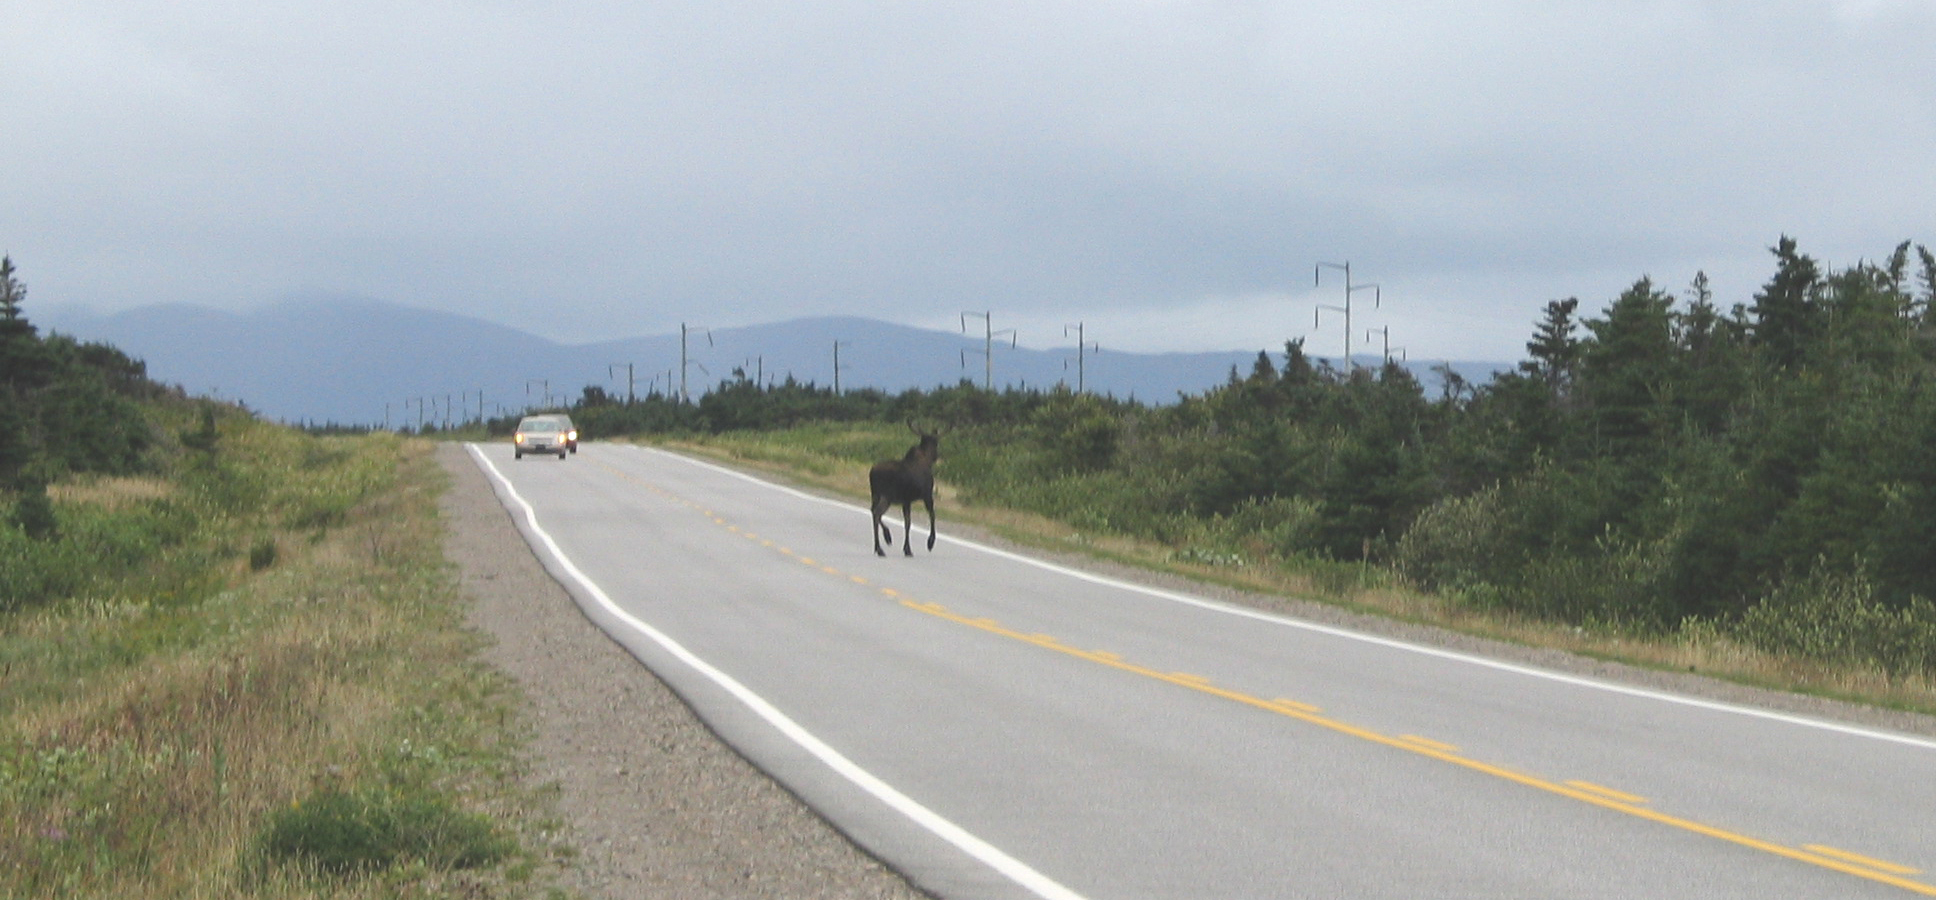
x,y
903,481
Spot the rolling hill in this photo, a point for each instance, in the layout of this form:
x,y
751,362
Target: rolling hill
x,y
359,361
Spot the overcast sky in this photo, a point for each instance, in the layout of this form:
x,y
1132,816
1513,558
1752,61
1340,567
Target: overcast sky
x,y
1166,173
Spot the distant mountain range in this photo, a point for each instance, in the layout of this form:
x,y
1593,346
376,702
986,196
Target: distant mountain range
x,y
356,361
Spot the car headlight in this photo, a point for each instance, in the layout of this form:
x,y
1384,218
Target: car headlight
x,y
518,438
572,435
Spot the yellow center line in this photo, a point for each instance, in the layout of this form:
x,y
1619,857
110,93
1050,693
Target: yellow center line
x,y
1826,857
1293,704
1605,791
1440,746
1860,860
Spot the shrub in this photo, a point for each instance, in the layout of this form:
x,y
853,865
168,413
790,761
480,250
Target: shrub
x,y
262,555
342,832
1833,616
1077,433
34,513
1451,541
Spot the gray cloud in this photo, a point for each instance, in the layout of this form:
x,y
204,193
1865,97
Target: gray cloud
x,y
1167,172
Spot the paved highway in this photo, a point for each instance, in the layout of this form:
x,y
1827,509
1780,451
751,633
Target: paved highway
x,y
996,727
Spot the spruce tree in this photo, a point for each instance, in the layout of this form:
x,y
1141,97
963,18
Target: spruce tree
x,y
13,323
1787,311
1555,351
1630,358
23,362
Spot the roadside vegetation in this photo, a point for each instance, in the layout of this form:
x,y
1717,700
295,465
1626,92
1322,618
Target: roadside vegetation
x,y
232,659
1748,490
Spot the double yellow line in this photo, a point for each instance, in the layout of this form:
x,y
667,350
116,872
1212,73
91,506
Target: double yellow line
x,y
1846,862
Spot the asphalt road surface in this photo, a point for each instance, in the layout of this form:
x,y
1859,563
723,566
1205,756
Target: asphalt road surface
x,y
997,727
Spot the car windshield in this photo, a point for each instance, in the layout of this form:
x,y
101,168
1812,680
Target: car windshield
x,y
538,426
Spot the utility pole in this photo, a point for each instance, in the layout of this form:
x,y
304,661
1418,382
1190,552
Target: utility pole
x,y
1083,348
629,397
1386,333
837,344
988,345
420,410
685,395
1349,288
542,382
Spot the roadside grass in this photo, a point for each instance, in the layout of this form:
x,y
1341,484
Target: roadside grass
x,y
279,699
835,458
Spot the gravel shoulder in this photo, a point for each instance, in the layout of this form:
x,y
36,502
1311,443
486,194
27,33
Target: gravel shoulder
x,y
659,806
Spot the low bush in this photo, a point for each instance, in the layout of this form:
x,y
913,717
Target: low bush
x,y
340,832
1833,616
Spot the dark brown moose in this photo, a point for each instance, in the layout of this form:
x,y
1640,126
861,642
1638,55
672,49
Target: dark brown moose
x,y
901,482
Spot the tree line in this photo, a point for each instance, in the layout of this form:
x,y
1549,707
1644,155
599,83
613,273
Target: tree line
x,y
66,407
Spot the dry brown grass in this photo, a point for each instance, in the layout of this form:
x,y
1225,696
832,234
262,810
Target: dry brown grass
x,y
155,741
112,493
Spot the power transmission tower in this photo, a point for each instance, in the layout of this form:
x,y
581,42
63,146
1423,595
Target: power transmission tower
x,y
1386,334
1083,349
1349,288
630,397
988,345
685,396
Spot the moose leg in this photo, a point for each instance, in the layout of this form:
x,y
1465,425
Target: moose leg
x,y
929,503
881,530
907,528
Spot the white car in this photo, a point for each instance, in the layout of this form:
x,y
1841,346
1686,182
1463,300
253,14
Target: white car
x,y
542,434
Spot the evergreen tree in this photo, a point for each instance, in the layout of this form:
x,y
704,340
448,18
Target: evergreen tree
x,y
16,445
1627,365
33,512
1713,377
13,323
1928,276
22,364
1787,311
1262,371
1555,351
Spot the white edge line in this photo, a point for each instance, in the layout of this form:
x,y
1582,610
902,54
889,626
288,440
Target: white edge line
x,y
1217,606
1009,867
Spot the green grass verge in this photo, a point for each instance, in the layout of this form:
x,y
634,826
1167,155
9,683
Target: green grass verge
x,y
268,692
